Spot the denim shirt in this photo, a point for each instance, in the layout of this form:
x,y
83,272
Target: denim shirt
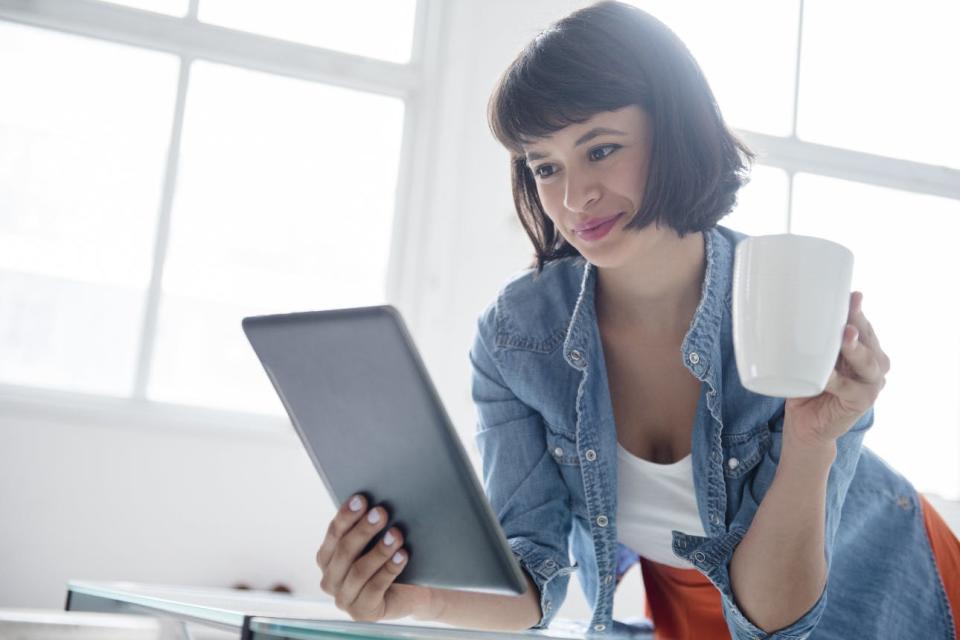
x,y
547,439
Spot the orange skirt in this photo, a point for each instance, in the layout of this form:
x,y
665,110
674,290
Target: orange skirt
x,y
684,605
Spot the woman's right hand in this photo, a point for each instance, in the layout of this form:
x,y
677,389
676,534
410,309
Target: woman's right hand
x,y
363,585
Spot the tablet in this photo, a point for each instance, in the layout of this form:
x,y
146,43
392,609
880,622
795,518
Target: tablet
x,y
359,397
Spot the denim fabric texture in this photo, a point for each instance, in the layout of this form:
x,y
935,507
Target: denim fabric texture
x,y
547,439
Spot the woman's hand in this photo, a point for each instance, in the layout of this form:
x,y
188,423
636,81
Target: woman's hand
x,y
362,585
853,387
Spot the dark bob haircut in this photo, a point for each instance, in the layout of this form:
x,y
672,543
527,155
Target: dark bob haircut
x,y
602,58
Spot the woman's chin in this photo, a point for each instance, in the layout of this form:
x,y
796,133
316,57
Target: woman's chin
x,y
603,257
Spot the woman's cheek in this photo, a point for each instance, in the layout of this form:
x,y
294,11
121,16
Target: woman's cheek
x,y
551,205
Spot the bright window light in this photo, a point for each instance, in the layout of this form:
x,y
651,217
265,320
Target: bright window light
x,y
762,204
284,202
168,7
374,28
882,78
84,134
905,264
748,52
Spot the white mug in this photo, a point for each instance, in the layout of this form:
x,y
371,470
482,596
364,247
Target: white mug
x,y
791,299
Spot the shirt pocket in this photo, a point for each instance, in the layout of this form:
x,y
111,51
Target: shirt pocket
x,y
743,451
562,448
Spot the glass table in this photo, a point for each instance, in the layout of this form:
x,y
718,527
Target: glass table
x,y
260,615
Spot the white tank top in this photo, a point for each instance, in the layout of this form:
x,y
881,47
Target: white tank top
x,y
652,501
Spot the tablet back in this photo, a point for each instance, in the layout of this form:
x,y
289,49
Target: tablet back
x,y
360,398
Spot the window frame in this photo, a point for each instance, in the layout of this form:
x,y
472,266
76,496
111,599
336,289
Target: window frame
x,y
186,37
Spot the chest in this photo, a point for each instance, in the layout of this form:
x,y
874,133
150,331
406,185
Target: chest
x,y
654,400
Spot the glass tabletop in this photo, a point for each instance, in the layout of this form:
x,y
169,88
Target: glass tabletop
x,y
219,606
275,629
262,615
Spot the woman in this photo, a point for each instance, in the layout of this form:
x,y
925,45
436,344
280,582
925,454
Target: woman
x,y
612,422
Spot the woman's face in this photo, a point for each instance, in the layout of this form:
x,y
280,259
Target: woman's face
x,y
591,178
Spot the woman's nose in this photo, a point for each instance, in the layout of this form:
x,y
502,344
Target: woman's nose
x,y
580,192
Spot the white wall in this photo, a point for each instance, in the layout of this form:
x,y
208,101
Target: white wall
x,y
144,504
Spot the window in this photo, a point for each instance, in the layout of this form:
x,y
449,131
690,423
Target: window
x,y
284,203
858,100
78,207
857,142
155,192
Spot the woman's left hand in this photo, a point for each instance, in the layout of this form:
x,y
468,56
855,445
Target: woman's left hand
x,y
853,387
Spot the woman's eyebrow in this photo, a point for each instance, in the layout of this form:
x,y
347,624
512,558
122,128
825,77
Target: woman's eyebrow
x,y
587,137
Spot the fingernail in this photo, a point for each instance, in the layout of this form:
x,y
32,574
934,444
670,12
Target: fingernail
x,y
373,517
397,558
356,503
388,539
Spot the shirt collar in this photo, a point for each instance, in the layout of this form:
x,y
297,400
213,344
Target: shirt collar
x,y
701,344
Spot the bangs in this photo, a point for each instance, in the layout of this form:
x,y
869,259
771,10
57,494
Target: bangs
x,y
544,90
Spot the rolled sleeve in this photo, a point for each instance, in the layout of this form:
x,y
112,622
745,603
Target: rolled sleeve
x,y
550,574
742,629
841,474
520,478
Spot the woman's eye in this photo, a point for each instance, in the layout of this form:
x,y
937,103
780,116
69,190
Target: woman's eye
x,y
538,170
607,149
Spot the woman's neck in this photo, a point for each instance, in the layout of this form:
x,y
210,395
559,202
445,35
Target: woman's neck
x,y
656,295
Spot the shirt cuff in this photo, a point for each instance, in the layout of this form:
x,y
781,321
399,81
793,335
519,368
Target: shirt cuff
x,y
743,629
550,573
712,557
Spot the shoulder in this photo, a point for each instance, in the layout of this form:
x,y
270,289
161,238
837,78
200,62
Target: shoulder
x,y
531,311
731,236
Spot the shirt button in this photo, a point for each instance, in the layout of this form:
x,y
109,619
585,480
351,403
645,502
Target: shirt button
x,y
602,521
576,356
590,455
694,357
716,519
558,452
699,556
733,463
599,627
608,578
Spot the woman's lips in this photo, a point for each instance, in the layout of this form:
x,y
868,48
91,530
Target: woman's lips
x,y
596,229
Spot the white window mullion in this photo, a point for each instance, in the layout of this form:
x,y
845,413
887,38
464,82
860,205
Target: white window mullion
x,y
796,77
408,248
155,289
809,157
790,178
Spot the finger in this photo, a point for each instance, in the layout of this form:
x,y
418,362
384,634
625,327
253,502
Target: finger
x,y
351,545
371,597
868,337
365,567
346,517
857,318
861,359
856,301
854,396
